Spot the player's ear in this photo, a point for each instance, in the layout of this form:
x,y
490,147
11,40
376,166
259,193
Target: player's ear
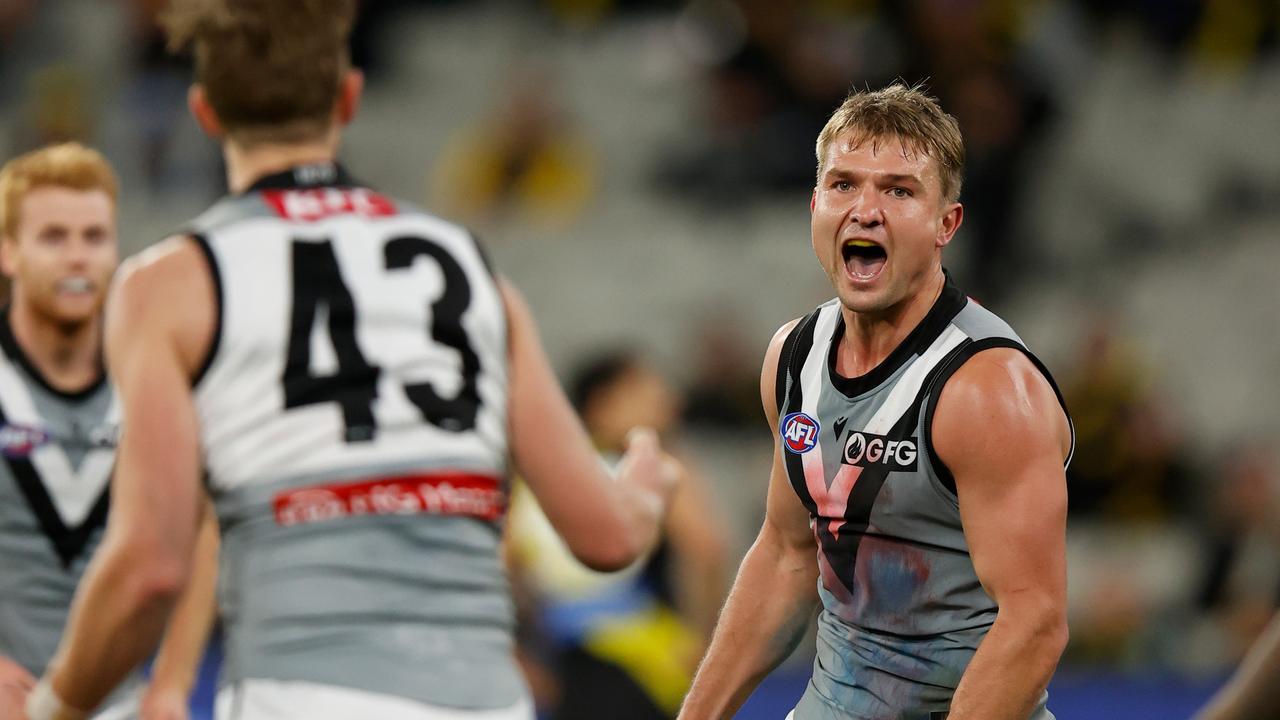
x,y
8,255
202,111
350,89
813,200
951,220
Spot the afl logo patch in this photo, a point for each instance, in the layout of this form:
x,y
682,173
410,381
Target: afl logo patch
x,y
799,433
19,441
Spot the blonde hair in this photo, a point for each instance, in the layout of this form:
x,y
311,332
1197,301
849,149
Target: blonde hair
x,y
68,165
907,114
270,68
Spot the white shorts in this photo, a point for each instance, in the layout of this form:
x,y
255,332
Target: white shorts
x,y
293,700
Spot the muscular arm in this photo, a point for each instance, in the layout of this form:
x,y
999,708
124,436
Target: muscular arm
x,y
606,524
1254,691
174,672
774,596
159,321
1000,429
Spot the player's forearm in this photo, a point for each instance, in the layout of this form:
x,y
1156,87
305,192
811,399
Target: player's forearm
x,y
769,608
1253,691
116,621
1013,665
188,630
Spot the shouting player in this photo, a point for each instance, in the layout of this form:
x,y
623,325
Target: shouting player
x,y
920,452
352,376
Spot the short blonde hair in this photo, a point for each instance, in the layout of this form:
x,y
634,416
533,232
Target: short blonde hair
x,y
908,115
68,165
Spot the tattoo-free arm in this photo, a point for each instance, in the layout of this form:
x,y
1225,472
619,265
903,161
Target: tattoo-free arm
x,y
606,522
159,322
178,662
1000,430
774,596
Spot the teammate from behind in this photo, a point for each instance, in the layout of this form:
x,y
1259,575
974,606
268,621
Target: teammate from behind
x,y
919,453
352,375
59,416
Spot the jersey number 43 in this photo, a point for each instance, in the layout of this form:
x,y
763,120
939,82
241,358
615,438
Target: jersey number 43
x,y
317,282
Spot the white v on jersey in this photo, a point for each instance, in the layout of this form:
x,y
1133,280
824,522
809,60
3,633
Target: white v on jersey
x,y
353,420
57,453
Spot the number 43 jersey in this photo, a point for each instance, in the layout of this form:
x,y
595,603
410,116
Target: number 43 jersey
x,y
353,420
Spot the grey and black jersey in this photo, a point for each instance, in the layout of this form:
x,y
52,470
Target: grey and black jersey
x,y
58,452
352,417
903,610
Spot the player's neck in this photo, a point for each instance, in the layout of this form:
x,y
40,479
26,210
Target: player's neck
x,y
869,338
68,356
246,165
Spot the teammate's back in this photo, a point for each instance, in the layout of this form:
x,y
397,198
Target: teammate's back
x,y
357,383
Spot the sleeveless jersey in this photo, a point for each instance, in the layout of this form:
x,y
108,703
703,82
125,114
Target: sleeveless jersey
x,y
352,416
903,610
57,451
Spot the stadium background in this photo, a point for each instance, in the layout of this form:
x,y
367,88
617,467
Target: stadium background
x,y
641,170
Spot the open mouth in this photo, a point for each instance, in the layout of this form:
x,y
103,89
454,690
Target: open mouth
x,y
863,259
75,285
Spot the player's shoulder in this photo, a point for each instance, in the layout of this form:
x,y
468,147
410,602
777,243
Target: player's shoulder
x,y
170,263
787,336
993,375
230,211
167,292
438,226
778,355
978,322
995,400
782,337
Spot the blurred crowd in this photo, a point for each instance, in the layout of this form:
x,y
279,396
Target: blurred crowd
x,y
1169,533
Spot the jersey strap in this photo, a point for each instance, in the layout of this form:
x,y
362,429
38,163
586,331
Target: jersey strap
x,y
949,368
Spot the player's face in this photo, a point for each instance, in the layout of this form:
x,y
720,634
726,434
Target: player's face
x,y
64,252
879,222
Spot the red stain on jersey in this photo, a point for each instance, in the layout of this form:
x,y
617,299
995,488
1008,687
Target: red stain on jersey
x,y
891,579
320,203
467,494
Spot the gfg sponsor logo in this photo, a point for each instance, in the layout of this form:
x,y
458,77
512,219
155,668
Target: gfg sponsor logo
x,y
865,449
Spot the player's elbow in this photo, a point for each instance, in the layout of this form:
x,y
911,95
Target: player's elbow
x,y
1044,620
1049,638
1051,625
157,574
160,586
161,579
1056,634
609,553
